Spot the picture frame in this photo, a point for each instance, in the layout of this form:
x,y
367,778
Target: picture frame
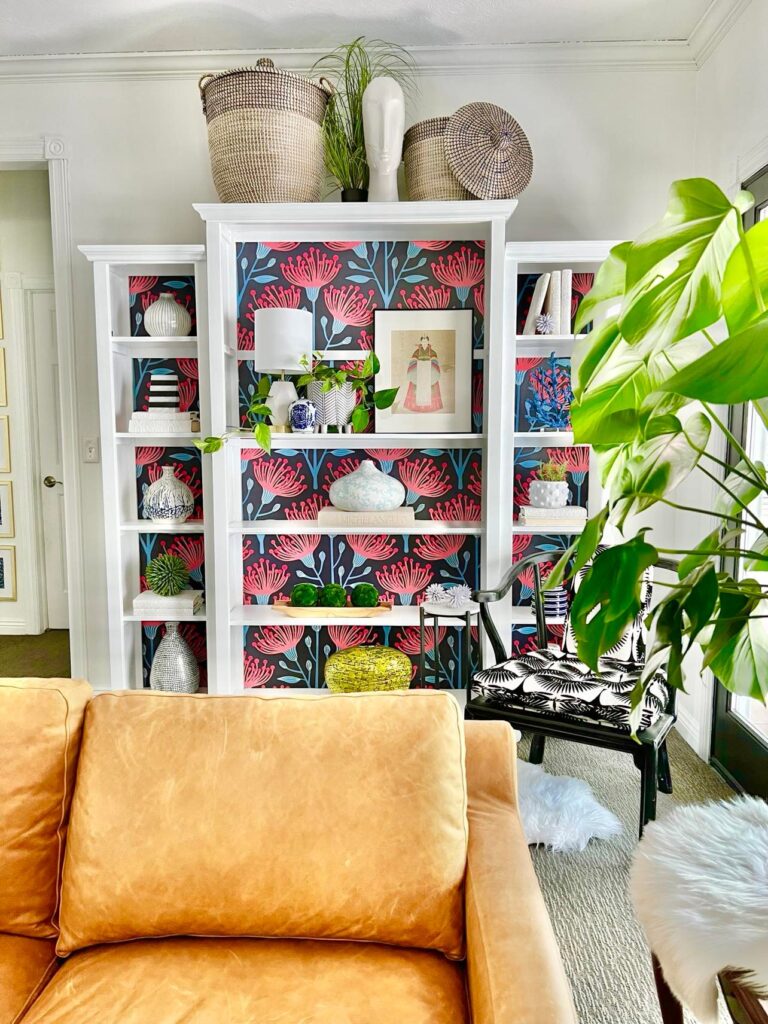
x,y
7,574
5,444
3,380
7,527
434,376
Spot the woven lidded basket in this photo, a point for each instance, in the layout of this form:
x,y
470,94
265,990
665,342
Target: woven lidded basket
x,y
265,134
428,174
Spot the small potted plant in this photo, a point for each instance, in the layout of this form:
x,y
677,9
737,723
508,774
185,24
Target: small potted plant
x,y
551,489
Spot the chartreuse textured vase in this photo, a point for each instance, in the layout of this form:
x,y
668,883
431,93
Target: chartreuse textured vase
x,y
360,669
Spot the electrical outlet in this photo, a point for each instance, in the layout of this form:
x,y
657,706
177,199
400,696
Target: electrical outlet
x,y
91,449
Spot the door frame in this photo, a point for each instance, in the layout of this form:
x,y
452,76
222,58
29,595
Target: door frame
x,y
50,152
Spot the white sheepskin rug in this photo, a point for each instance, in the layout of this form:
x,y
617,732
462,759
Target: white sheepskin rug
x,y
560,812
699,885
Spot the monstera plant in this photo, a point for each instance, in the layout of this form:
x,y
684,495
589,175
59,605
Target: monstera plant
x,y
681,334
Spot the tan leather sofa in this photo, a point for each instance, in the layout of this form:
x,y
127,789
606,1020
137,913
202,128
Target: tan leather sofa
x,y
351,859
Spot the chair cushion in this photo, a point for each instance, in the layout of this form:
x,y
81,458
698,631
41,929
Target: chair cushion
x,y
630,650
245,981
40,727
553,682
336,816
25,966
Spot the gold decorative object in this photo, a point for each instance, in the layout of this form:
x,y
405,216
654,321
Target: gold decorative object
x,y
359,669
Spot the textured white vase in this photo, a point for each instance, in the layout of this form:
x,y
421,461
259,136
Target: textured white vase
x,y
165,318
334,407
174,666
367,489
548,493
168,499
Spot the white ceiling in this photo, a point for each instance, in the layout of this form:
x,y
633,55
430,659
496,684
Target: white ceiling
x,y
120,26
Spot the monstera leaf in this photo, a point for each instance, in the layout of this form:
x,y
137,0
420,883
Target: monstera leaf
x,y
746,274
675,270
609,283
734,372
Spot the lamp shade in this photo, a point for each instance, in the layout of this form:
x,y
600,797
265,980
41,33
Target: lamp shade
x,y
282,338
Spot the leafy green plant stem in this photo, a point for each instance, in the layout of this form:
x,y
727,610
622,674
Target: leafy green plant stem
x,y
730,438
751,269
746,510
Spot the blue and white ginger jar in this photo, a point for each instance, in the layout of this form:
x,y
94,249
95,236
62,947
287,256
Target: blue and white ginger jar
x,y
168,499
302,416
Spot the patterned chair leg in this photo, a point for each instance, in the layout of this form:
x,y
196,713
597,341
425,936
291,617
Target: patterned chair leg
x,y
665,775
536,755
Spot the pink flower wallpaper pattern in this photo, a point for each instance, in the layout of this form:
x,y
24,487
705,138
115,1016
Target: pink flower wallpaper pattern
x,y
342,283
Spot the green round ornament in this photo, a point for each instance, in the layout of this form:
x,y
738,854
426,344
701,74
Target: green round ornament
x,y
332,595
304,595
365,595
166,575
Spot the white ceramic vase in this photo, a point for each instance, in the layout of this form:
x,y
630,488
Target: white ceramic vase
x,y
174,666
367,489
168,499
165,318
548,493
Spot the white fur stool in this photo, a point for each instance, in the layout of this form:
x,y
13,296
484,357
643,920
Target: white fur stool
x,y
699,884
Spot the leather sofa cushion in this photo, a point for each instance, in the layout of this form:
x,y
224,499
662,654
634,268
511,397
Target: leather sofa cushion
x,y
40,728
25,966
243,981
326,817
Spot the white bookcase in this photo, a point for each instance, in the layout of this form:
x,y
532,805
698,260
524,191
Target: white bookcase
x,y
216,348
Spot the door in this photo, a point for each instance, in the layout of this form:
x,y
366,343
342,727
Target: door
x,y
51,488
740,730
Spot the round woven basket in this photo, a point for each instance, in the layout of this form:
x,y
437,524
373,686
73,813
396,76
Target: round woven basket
x,y
427,172
265,134
364,669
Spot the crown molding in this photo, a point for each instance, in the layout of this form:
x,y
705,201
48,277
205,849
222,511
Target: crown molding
x,y
713,26
663,55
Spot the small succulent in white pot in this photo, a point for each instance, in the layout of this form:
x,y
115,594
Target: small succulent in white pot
x,y
551,489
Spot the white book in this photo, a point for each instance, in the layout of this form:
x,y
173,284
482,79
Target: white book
x,y
185,603
537,303
567,512
566,289
552,301
402,516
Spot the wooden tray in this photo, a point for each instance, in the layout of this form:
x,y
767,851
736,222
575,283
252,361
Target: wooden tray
x,y
348,612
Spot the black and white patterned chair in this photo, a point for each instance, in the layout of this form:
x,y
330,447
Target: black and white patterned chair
x,y
549,692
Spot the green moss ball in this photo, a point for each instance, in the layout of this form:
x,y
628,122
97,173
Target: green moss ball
x,y
166,575
304,595
365,595
332,595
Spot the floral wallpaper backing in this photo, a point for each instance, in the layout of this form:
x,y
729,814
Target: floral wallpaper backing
x,y
342,283
543,393
295,655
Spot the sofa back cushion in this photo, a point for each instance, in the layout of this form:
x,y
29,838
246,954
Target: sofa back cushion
x,y
322,817
40,728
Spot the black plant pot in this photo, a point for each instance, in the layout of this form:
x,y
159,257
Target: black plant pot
x,y
354,195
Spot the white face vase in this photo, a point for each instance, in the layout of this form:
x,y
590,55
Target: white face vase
x,y
384,126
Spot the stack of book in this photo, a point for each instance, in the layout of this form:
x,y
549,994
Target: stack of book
x,y
164,415
150,605
547,303
572,517
402,516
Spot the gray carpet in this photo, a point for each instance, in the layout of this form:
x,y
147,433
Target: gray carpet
x,y
43,656
603,948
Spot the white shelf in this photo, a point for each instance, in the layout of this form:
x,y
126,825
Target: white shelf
x,y
129,616
246,440
268,615
245,355
147,526
158,348
537,438
421,528
158,440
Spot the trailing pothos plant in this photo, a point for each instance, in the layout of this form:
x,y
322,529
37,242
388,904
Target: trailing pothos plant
x,y
361,379
684,334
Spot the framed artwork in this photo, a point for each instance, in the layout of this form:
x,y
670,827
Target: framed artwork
x,y
427,354
6,509
7,574
3,384
5,445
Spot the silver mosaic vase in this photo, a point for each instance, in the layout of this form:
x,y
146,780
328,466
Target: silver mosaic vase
x,y
174,666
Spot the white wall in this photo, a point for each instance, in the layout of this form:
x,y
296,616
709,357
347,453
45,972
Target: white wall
x,y
606,144
25,253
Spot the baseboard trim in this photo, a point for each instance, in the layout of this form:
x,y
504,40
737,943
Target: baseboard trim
x,y
15,627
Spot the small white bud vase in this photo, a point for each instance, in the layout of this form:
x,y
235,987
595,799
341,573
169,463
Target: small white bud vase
x,y
165,318
367,489
174,666
168,499
549,493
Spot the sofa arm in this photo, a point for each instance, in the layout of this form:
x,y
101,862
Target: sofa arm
x,y
515,972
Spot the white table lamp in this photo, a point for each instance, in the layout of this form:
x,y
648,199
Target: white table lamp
x,y
282,339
